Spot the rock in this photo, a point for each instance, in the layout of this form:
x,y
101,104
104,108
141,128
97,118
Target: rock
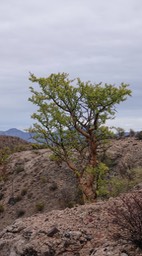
x,y
29,252
52,231
64,232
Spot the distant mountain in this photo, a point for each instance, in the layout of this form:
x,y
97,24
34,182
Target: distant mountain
x,y
17,133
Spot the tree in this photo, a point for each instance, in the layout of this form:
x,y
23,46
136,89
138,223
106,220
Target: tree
x,y
71,119
132,133
139,135
120,132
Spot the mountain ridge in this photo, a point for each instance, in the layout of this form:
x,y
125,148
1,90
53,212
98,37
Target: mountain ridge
x,y
17,133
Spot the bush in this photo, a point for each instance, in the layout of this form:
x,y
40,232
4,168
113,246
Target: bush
x,y
18,168
23,191
4,154
1,208
139,135
113,186
20,213
127,214
39,206
37,146
132,133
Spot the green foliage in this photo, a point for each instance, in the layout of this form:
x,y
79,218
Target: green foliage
x,y
136,174
71,117
120,132
139,135
3,177
115,185
43,179
132,133
39,206
19,168
119,185
37,146
1,208
100,174
65,108
66,111
20,148
4,154
7,151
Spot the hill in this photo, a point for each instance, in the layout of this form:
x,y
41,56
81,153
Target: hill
x,y
40,211
17,133
13,142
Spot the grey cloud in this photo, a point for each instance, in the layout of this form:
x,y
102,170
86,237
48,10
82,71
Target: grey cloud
x,y
95,40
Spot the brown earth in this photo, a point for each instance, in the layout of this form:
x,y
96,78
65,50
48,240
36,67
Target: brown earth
x,y
37,194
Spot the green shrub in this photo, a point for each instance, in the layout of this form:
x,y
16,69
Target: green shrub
x,y
3,177
137,175
1,208
4,154
19,168
139,135
39,206
119,185
37,146
43,179
115,185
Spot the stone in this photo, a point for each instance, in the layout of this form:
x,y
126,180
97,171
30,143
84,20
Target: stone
x,y
52,231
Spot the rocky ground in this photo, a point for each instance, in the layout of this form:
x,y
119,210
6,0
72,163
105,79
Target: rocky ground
x,y
79,231
36,218
125,154
33,183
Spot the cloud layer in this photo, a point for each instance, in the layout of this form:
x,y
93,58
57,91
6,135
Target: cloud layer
x,y
93,40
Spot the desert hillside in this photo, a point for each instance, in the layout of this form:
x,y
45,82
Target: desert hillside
x,y
79,231
13,142
33,183
40,211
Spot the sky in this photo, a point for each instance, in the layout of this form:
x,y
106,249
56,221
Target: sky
x,y
100,41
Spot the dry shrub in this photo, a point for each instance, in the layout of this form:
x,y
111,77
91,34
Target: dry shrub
x,y
127,215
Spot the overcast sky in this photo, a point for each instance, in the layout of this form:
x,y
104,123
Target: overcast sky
x,y
100,41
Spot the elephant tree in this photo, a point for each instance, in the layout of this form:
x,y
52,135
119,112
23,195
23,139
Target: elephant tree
x,y
71,118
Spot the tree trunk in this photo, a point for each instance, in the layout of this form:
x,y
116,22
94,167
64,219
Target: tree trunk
x,y
88,178
87,186
93,153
